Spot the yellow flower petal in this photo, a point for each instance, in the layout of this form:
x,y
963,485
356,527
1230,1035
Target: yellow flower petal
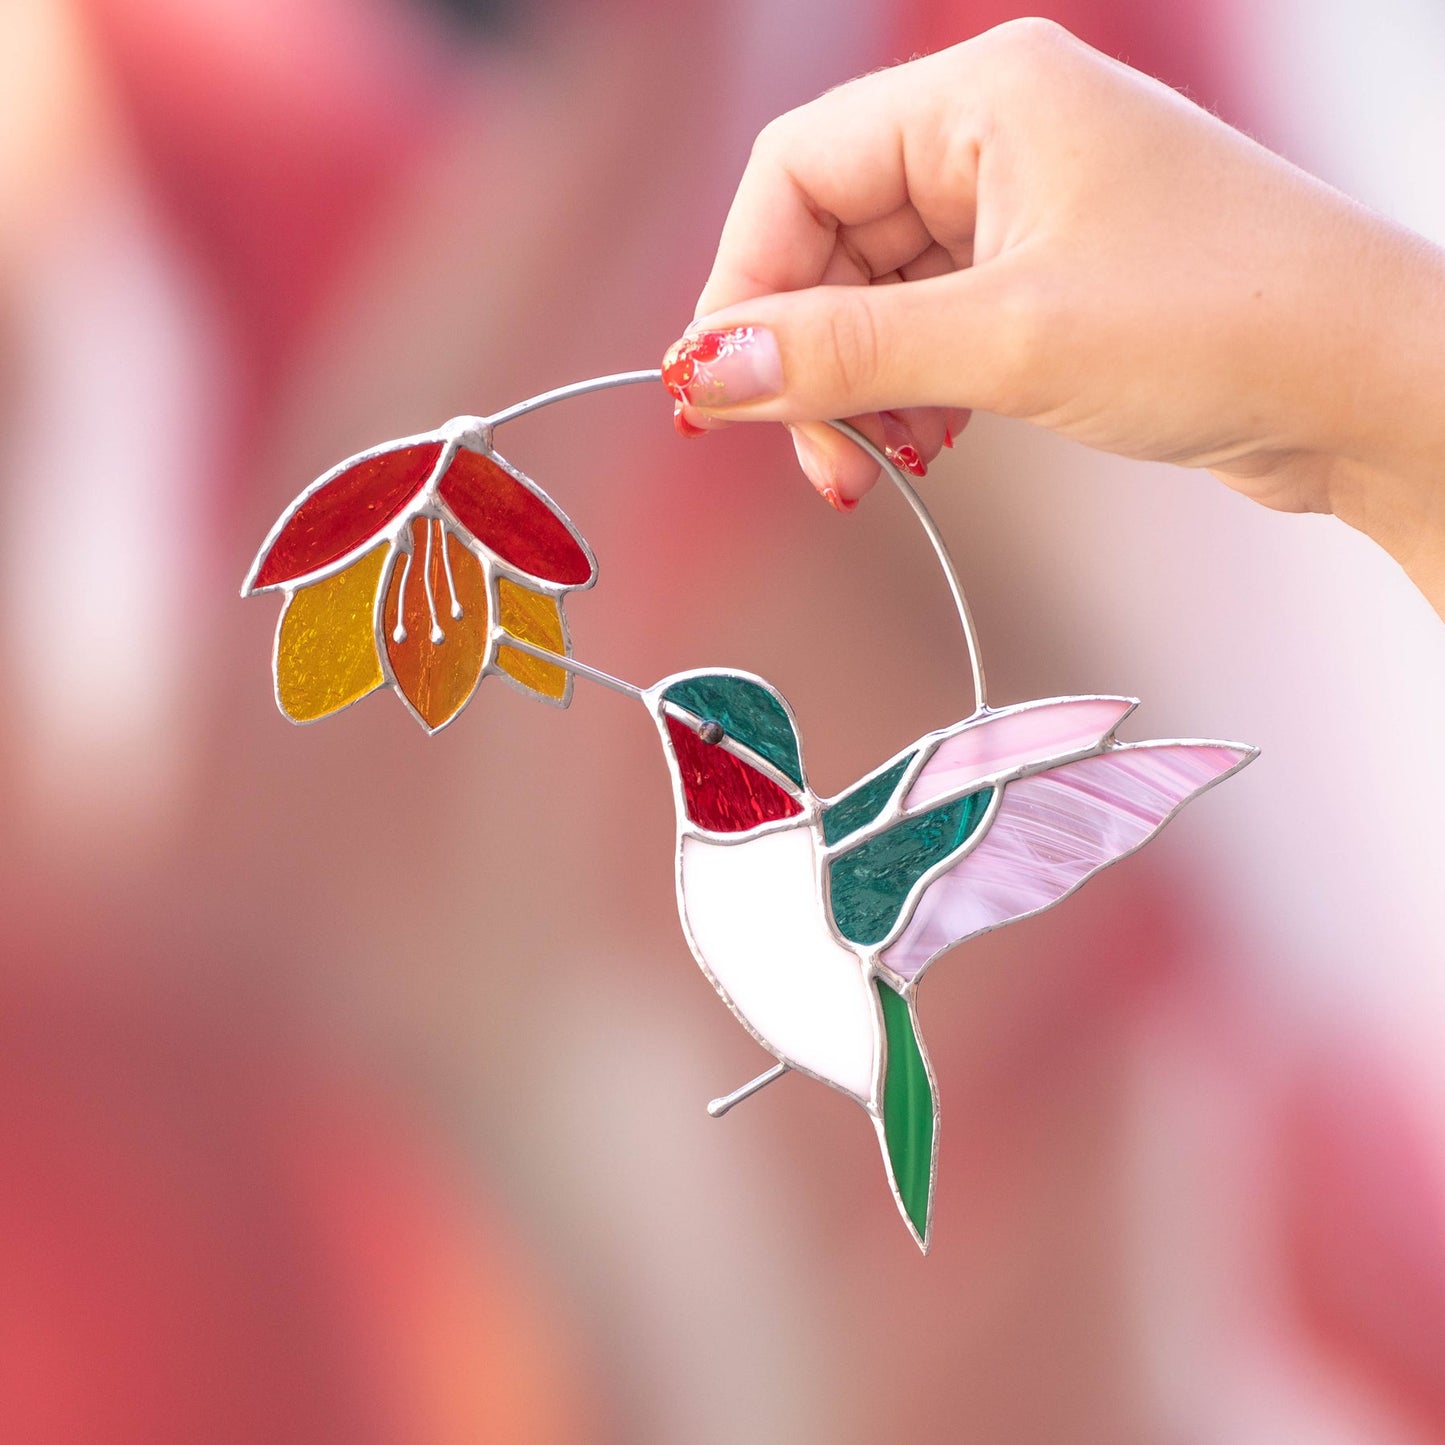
x,y
535,618
326,643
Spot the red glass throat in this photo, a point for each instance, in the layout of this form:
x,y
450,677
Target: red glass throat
x,y
723,794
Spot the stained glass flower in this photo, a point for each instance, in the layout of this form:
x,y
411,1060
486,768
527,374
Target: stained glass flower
x,y
425,564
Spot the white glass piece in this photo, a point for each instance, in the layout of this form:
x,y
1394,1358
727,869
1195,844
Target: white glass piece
x,y
1013,737
755,920
1052,831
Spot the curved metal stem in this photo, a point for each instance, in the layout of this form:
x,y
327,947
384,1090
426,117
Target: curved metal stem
x,y
576,388
890,468
940,547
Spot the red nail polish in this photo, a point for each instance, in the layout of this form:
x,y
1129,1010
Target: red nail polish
x,y
683,427
678,369
838,501
723,368
948,438
899,446
907,457
684,356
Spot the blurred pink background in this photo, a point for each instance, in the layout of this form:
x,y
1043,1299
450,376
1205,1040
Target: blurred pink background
x,y
352,1083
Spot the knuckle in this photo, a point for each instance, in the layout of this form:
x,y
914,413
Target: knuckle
x,y
773,140
854,342
1033,41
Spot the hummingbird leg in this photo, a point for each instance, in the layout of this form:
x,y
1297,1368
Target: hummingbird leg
x,y
718,1107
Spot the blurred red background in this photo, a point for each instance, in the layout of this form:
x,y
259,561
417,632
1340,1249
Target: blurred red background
x,y
352,1083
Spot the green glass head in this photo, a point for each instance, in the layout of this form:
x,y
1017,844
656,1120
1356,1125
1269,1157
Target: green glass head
x,y
748,711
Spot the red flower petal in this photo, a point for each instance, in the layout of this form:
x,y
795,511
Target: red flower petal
x,y
357,501
520,526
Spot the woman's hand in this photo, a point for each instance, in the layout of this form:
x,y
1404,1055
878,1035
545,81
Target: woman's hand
x,y
1022,225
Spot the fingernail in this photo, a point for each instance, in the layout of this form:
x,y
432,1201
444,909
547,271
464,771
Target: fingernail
x,y
812,460
948,438
899,448
723,368
682,426
907,457
838,501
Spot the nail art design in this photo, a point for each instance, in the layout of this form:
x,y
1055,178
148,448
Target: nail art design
x,y
723,368
898,446
908,458
838,501
683,427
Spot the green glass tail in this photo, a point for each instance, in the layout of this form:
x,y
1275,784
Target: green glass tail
x,y
909,1113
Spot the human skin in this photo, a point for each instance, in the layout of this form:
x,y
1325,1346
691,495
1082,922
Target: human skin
x,y
1022,225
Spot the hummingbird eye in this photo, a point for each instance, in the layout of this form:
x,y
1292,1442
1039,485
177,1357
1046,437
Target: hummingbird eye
x,y
711,732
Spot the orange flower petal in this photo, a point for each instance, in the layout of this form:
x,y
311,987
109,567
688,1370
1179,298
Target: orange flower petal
x,y
436,655
326,656
537,619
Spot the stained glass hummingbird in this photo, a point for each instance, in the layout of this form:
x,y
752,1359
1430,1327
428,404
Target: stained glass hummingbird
x,y
814,918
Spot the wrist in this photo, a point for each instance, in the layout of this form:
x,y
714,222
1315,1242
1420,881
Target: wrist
x,y
1403,510
1387,473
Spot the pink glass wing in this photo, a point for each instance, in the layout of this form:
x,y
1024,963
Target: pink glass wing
x,y
1032,733
1053,831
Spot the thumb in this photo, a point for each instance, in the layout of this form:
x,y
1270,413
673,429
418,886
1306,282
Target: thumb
x,y
839,351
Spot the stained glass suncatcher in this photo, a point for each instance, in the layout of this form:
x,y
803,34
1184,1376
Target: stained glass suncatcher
x,y
432,562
